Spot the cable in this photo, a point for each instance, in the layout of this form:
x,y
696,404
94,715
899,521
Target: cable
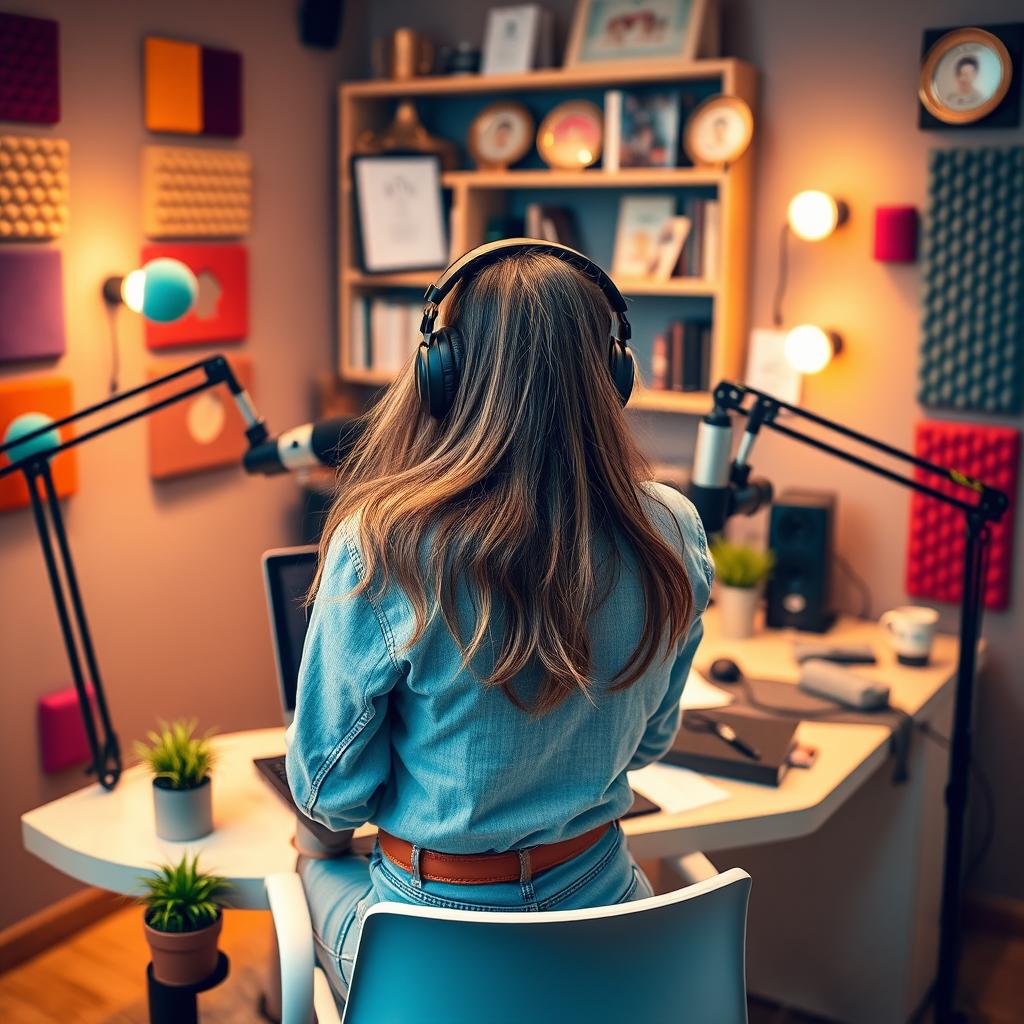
x,y
780,284
859,584
115,351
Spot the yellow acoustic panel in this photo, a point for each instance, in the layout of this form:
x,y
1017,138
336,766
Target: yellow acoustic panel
x,y
33,187
195,193
174,92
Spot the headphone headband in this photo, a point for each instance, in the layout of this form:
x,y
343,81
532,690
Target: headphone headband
x,y
492,252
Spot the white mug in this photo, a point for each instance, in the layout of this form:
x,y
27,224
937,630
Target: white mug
x,y
911,630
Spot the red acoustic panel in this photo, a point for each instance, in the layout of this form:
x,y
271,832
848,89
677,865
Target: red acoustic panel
x,y
62,740
935,549
222,310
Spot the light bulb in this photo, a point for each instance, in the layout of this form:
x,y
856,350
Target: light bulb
x,y
133,290
163,290
814,215
809,349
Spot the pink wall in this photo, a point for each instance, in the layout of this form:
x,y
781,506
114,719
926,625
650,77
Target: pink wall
x,y
170,571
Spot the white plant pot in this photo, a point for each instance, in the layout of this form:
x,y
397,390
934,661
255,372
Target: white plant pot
x,y
183,814
737,607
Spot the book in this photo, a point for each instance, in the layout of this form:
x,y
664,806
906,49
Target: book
x,y
358,349
612,129
552,223
649,130
693,372
641,221
677,354
711,258
705,752
670,247
659,363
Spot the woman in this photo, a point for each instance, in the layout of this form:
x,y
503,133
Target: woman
x,y
506,611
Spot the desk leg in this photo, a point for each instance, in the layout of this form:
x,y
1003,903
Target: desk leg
x,y
844,922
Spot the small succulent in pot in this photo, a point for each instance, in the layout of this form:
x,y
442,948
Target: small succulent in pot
x,y
182,921
180,763
740,570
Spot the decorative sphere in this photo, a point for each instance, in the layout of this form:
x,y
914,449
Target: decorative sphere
x,y
169,290
24,424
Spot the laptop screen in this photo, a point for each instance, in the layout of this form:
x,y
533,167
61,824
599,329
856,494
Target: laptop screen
x,y
287,574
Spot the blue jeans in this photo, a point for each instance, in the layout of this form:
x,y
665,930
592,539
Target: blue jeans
x,y
340,891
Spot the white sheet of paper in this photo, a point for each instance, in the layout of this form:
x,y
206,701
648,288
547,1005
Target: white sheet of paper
x,y
767,367
675,789
699,693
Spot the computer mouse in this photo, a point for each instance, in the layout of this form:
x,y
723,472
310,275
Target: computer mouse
x,y
725,670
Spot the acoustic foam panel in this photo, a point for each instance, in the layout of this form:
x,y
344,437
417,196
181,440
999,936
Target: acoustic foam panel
x,y
195,193
33,188
203,432
62,740
221,312
895,234
192,89
935,549
29,69
31,304
49,395
972,332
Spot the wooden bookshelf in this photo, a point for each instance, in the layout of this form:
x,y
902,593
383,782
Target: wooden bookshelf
x,y
477,195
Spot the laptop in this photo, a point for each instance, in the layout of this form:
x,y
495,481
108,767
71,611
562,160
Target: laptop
x,y
287,576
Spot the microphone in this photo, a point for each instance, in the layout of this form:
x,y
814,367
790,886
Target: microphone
x,y
324,443
720,488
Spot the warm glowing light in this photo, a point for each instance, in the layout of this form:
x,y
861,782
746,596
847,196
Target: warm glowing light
x,y
809,349
133,290
586,156
814,215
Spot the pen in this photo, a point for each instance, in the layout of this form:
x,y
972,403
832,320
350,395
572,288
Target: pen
x,y
728,734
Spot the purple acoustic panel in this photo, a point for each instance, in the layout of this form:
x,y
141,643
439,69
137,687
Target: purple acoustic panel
x,y
29,69
222,92
31,304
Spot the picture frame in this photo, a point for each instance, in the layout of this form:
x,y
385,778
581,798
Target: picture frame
x,y
968,74
649,130
399,207
719,131
606,31
639,231
571,135
513,39
501,135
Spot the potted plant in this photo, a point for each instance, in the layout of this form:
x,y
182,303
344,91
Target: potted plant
x,y
740,571
180,763
182,921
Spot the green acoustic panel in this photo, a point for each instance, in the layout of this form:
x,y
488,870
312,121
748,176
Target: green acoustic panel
x,y
972,331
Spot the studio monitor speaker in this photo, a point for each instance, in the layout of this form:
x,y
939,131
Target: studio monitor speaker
x,y
799,592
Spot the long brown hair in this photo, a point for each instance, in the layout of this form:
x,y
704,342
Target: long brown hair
x,y
534,460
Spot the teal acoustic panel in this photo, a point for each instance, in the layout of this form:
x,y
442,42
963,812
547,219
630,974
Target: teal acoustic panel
x,y
972,330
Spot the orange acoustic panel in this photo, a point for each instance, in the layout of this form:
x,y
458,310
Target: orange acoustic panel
x,y
202,432
49,395
174,95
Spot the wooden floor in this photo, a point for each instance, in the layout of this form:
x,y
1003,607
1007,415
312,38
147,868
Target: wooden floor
x,y
98,977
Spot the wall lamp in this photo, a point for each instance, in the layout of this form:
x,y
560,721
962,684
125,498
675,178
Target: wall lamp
x,y
163,290
812,215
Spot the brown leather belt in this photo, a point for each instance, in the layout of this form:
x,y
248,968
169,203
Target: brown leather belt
x,y
481,868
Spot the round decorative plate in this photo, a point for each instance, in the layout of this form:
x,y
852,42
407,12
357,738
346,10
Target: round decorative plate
x,y
570,136
719,131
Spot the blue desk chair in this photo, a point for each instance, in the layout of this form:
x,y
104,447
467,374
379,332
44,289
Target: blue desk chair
x,y
677,957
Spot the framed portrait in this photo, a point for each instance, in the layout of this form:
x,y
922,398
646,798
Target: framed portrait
x,y
604,31
400,212
719,131
501,135
965,75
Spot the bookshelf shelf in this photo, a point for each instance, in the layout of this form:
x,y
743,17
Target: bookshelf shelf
x,y
478,196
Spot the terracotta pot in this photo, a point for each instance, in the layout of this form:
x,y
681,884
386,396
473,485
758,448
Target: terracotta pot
x,y
184,958
183,814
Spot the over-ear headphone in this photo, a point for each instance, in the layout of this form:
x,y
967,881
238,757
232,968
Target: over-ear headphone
x,y
441,353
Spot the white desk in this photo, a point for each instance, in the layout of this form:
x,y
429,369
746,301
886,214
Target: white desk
x,y
844,906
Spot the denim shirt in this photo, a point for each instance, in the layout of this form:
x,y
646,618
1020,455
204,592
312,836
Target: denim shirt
x,y
408,739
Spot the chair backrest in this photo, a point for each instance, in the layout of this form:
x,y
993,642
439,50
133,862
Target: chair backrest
x,y
677,957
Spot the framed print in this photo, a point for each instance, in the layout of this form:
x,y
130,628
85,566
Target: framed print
x,y
570,136
649,130
511,39
501,135
400,212
613,30
719,131
641,227
965,75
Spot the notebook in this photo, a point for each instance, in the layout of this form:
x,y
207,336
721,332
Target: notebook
x,y
705,752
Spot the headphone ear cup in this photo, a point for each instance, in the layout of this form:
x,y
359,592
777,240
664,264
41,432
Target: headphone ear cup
x,y
439,370
620,363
